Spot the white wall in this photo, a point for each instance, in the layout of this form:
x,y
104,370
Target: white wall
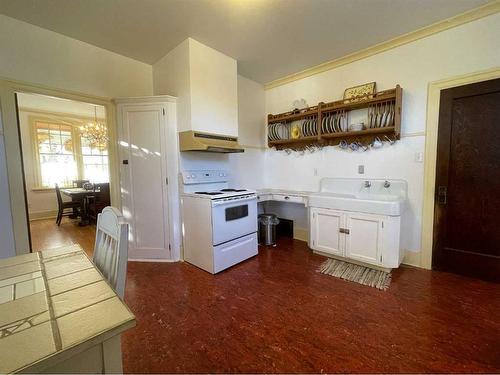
x,y
204,80
251,113
6,233
39,56
171,77
468,48
246,168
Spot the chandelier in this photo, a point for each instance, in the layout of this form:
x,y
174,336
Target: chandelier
x,y
96,133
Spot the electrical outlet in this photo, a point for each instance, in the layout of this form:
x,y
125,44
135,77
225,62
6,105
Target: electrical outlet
x,y
361,169
315,171
419,157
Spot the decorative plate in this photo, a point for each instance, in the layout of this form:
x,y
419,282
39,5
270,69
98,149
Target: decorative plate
x,y
295,132
353,94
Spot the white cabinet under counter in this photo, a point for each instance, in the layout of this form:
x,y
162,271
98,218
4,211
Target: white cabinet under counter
x,y
358,220
360,237
349,218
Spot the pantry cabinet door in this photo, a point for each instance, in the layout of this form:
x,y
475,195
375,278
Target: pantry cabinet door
x,y
142,135
364,240
325,231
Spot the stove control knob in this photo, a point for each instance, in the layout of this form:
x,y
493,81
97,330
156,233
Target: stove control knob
x,y
193,176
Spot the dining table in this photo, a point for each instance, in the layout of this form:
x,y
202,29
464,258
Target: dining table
x,y
58,314
80,194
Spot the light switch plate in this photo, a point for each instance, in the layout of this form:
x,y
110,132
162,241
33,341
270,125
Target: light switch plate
x,y
419,157
361,169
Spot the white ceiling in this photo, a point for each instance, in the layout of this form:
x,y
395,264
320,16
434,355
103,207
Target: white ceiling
x,y
269,38
58,105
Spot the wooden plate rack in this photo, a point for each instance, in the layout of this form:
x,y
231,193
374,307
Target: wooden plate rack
x,y
391,98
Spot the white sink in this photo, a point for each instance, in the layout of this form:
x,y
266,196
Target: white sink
x,y
352,194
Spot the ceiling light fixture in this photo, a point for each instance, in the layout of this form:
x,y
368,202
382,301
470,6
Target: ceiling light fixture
x,y
96,133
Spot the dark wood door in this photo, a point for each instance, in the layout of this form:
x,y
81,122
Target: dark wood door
x,y
467,209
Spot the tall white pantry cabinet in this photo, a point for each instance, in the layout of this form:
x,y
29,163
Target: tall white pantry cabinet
x,y
148,156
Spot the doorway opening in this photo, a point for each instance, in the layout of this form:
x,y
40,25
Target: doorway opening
x,y
64,146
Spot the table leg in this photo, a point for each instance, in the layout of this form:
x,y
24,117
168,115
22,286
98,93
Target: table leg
x,y
75,210
112,355
84,220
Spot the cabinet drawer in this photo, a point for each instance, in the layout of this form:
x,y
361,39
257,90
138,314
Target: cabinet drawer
x,y
265,197
233,252
288,198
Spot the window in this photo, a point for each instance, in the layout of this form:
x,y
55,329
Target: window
x,y
95,161
56,156
64,154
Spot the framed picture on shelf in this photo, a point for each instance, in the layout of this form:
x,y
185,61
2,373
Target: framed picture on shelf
x,y
356,93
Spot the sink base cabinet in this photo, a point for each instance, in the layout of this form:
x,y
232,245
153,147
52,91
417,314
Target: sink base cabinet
x,y
325,231
365,238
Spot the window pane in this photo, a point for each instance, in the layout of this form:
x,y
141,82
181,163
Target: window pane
x,y
96,173
57,169
55,147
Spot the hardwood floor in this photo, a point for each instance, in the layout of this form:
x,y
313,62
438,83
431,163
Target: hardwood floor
x,y
45,234
276,313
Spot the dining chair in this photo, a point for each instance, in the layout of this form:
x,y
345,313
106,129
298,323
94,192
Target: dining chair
x,y
79,183
62,206
98,200
111,248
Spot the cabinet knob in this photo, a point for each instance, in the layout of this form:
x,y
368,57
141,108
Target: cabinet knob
x,y
287,198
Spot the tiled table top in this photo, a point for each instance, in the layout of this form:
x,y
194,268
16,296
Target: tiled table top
x,y
52,301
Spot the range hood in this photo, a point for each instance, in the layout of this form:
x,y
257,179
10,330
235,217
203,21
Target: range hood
x,y
199,141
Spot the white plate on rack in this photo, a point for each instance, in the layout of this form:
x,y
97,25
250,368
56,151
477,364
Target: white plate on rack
x,y
271,132
324,121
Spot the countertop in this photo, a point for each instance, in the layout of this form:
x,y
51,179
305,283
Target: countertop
x,y
298,193
53,302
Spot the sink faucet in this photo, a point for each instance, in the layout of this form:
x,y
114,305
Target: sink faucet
x,y
387,184
368,184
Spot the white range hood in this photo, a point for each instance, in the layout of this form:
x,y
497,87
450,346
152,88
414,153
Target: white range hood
x,y
205,82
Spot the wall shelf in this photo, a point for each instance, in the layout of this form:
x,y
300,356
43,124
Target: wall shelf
x,y
388,102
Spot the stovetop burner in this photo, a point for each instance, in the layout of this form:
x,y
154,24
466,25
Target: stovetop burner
x,y
208,192
236,190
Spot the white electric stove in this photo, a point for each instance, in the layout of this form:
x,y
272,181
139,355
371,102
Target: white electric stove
x,y
219,223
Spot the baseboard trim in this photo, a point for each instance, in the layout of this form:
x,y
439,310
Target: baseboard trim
x,y
41,215
348,260
301,234
412,258
152,260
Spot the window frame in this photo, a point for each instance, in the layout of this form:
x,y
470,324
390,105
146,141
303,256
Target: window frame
x,y
76,140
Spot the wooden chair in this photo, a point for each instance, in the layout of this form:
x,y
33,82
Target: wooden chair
x,y
111,248
79,183
99,200
62,205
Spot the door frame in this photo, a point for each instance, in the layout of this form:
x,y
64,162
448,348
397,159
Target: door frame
x,y
431,140
8,113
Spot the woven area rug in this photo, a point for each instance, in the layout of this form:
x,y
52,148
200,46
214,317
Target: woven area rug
x,y
358,274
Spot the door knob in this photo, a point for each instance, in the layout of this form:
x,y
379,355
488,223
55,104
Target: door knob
x,y
442,194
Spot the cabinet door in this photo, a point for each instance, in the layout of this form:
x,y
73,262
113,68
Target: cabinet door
x,y
364,240
143,179
325,230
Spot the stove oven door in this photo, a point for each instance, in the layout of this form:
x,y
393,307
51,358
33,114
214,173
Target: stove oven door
x,y
233,219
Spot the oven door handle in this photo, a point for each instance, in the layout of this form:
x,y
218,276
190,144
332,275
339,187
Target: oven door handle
x,y
233,201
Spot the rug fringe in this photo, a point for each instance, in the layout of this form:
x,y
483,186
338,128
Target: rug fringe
x,y
356,273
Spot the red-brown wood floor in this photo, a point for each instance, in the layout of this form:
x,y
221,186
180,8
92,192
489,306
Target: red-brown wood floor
x,y
275,313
